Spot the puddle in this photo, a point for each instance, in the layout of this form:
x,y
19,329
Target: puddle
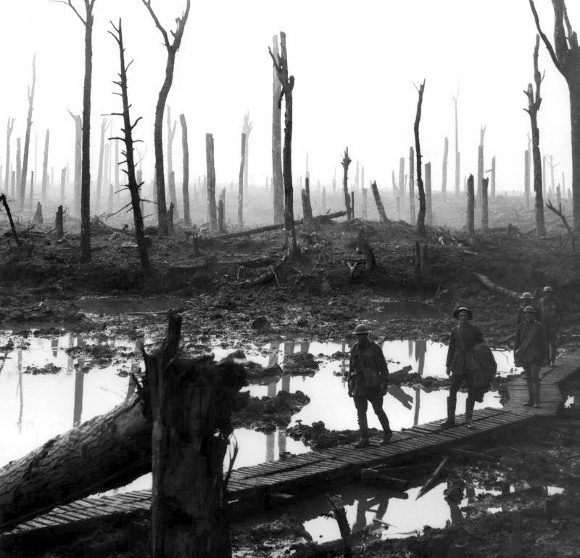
x,y
37,407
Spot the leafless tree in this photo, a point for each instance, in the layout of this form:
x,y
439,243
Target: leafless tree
x,y
172,47
31,90
420,189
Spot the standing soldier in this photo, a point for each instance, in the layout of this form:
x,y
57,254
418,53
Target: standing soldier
x,y
461,364
368,381
531,351
551,315
525,300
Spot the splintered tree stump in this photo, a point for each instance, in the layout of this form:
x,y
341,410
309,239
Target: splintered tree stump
x,y
191,402
59,223
378,201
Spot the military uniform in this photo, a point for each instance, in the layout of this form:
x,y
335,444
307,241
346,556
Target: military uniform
x,y
531,351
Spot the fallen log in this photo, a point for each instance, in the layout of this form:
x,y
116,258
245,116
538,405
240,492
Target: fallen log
x,y
317,219
496,288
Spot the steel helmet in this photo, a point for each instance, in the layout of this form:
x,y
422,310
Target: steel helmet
x,y
548,290
527,295
361,329
529,310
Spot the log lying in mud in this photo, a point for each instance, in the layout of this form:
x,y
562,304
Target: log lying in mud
x,y
317,219
106,452
496,288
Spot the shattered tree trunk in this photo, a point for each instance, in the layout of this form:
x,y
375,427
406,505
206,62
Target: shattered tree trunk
x,y
346,160
101,167
192,402
484,206
185,149
247,128
59,220
421,231
308,218
412,186
277,183
209,157
45,166
379,202
170,176
134,186
62,185
527,178
428,197
241,184
27,136
9,128
78,165
470,207
17,240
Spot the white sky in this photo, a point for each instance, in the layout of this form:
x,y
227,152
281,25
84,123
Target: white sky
x,y
356,67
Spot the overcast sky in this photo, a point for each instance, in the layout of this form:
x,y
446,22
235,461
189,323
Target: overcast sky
x,y
356,67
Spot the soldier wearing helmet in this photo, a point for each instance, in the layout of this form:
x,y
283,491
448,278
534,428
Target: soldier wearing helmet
x,y
461,363
526,299
531,351
550,313
367,382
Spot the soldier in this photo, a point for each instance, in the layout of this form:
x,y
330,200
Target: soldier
x,y
368,378
550,314
531,351
525,300
461,363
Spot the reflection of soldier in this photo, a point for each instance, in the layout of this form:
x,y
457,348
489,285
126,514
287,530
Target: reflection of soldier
x,y
364,505
420,351
401,396
453,496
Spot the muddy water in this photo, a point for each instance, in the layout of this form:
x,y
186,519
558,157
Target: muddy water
x,y
50,384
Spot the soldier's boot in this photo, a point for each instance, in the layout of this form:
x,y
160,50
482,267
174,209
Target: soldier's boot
x,y
387,432
469,404
537,394
363,432
531,399
451,402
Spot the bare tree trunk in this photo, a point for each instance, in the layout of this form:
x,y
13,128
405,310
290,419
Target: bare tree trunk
x,y
307,207
287,82
246,130
211,202
457,157
379,202
59,221
17,240
185,149
527,178
493,177
27,137
18,166
172,48
428,197
277,182
401,176
45,166
480,164
470,208
128,127
444,170
484,206
100,169
9,128
412,186
62,185
241,184
346,160
421,231
222,212
171,128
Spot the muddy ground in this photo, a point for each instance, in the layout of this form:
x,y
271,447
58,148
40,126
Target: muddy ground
x,y
242,291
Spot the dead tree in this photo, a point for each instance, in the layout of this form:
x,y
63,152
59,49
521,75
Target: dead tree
x,y
565,55
185,149
172,48
493,177
379,203
527,178
428,196
241,184
277,182
534,102
100,169
18,167
62,184
9,128
346,160
287,82
401,184
470,208
484,206
480,161
444,169
209,157
27,136
45,166
59,222
457,154
171,128
128,127
222,212
247,128
307,207
411,186
560,214
13,228
421,231
87,21
78,161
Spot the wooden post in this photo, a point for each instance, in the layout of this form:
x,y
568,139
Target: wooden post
x,y
27,136
209,154
444,169
378,201
412,186
527,178
185,149
346,160
428,197
470,207
45,166
241,184
484,206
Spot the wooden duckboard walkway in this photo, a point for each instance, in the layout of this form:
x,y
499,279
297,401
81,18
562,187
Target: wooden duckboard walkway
x,y
259,482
